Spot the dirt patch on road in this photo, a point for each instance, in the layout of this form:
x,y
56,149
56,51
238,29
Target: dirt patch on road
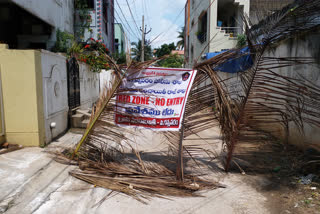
x,y
289,185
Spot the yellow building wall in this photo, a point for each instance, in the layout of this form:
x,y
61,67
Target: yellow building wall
x,y
22,96
2,136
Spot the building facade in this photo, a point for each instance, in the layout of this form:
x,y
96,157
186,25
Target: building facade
x,y
95,19
213,25
262,8
33,24
119,39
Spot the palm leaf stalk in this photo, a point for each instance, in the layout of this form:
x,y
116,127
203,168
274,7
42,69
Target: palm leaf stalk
x,y
107,155
267,97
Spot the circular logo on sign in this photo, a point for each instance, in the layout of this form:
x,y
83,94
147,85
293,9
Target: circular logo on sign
x,y
185,76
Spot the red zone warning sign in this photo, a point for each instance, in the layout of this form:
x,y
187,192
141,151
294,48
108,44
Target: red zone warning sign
x,y
154,98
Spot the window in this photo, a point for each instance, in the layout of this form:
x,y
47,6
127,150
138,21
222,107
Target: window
x,y
105,10
202,27
82,4
90,4
105,14
191,54
187,44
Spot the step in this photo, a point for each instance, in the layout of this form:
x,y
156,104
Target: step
x,y
84,123
86,112
76,120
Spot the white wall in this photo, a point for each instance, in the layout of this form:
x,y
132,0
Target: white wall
x,y
302,46
55,93
89,86
246,4
106,79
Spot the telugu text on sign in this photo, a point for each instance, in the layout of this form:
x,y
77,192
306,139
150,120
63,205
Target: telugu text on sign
x,y
154,98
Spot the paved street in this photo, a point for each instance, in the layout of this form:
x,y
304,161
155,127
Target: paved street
x,y
32,182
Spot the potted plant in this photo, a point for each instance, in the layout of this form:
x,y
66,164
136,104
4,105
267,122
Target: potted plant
x,y
199,35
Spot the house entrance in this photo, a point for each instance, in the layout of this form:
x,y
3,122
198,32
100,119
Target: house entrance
x,y
73,83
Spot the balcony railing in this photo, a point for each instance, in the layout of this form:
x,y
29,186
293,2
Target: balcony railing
x,y
233,31
202,36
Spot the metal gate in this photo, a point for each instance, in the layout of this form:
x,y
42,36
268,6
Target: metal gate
x,y
73,83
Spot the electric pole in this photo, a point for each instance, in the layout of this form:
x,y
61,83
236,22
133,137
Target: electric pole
x,y
144,33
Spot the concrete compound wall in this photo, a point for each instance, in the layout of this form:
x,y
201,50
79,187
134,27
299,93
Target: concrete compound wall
x,y
106,79
89,86
307,45
35,95
55,94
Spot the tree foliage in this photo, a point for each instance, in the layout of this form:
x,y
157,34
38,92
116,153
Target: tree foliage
x,y
120,58
136,51
64,41
180,44
165,49
173,61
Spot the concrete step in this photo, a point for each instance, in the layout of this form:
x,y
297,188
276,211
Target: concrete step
x,y
85,112
84,123
76,120
81,118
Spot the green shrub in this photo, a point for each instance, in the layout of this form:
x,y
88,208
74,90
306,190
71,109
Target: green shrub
x,y
241,40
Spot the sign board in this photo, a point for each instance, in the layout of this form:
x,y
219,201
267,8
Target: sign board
x,y
154,98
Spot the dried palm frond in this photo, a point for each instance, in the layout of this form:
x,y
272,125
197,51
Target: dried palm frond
x,y
108,155
267,99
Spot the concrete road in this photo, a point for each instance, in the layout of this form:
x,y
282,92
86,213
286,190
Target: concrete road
x,y
31,182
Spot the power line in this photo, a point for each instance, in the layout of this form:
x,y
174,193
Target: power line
x,y
132,15
131,33
135,9
135,34
167,30
146,11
